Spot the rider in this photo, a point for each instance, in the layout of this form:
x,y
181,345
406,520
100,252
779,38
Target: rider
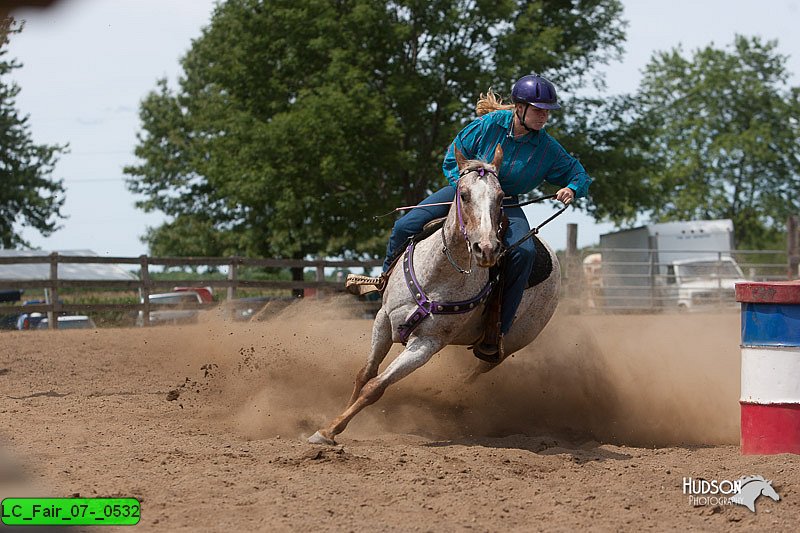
x,y
531,156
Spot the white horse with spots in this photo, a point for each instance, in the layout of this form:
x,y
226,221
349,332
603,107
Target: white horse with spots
x,y
428,304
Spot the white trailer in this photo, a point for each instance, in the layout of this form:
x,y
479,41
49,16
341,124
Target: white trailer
x,y
685,264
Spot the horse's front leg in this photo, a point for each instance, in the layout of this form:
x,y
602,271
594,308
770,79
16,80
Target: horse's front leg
x,y
418,352
381,344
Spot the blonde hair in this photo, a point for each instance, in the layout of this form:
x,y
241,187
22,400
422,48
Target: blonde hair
x,y
490,102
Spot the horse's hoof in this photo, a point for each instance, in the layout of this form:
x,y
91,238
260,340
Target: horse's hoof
x,y
319,438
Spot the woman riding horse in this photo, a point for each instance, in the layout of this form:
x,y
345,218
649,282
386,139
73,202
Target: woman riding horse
x,y
531,157
425,307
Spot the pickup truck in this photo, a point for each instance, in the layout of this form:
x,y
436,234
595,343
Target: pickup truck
x,y
694,283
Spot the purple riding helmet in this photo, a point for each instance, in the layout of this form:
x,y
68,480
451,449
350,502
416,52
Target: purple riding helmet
x,y
536,91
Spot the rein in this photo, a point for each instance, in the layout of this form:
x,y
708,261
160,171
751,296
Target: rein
x,y
535,230
527,236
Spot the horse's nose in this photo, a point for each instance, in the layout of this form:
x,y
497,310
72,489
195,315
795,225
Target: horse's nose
x,y
483,249
486,251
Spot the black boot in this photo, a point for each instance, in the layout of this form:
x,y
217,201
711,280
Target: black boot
x,y
489,350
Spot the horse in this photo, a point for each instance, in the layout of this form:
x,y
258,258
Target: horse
x,y
751,488
412,311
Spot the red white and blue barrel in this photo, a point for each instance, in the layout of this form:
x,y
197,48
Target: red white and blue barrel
x,y
770,400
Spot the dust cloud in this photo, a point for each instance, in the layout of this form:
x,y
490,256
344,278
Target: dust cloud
x,y
643,380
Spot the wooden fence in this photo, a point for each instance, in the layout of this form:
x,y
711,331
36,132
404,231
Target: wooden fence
x,y
145,284
573,276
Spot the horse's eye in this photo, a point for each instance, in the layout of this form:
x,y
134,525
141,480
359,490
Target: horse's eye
x,y
465,196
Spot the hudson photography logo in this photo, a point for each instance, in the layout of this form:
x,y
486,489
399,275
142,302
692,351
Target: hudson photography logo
x,y
743,491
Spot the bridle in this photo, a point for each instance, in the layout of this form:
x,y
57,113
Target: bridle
x,y
460,217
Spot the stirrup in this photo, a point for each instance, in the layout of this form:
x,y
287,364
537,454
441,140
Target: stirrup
x,y
362,285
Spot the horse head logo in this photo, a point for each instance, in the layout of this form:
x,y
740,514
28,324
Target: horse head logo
x,y
751,488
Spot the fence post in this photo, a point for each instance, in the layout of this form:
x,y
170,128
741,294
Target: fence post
x,y
573,268
793,246
55,306
654,273
320,276
718,270
144,275
233,275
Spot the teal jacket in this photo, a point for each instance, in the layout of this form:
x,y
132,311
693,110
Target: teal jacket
x,y
527,161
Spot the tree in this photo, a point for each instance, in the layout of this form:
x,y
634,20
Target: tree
x,y
28,195
719,135
297,122
609,139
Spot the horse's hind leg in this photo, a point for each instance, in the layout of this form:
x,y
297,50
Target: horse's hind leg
x,y
381,344
417,353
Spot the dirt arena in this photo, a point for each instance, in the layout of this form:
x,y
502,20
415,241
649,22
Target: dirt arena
x,y
593,427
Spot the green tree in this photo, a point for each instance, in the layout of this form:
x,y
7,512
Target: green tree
x,y
296,122
29,197
718,136
611,142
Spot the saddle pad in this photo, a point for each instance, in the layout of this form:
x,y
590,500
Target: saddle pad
x,y
542,264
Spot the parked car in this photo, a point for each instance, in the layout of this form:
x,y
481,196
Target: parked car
x,y
179,307
31,320
67,322
18,321
205,293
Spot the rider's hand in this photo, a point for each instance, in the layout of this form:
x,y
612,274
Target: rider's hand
x,y
565,195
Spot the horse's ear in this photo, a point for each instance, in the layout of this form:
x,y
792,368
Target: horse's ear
x,y
498,157
461,161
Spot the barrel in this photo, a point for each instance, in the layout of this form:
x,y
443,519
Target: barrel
x,y
770,385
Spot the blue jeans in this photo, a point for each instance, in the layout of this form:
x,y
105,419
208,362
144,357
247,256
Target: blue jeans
x,y
518,262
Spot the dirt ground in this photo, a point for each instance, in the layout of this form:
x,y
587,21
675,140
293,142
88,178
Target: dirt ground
x,y
593,427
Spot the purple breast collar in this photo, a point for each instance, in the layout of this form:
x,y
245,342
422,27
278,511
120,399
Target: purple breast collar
x,y
427,307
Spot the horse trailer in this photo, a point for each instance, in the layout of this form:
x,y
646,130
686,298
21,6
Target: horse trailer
x,y
686,265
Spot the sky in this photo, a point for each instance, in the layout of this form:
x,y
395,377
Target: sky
x,y
89,63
